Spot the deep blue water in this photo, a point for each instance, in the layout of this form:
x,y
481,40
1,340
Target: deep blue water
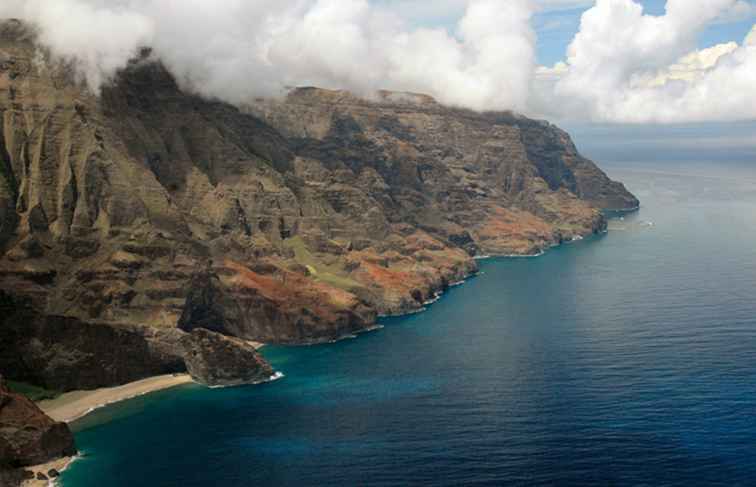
x,y
625,359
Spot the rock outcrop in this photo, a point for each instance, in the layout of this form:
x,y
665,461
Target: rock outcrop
x,y
130,217
217,360
64,353
283,308
28,436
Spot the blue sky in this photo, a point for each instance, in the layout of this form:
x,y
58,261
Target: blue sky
x,y
558,22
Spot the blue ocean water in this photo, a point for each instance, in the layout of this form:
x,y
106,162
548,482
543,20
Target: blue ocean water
x,y
624,359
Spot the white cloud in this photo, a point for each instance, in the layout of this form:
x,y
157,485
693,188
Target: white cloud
x,y
423,12
691,67
100,38
554,73
491,67
255,47
750,39
622,66
626,66
741,10
550,5
426,11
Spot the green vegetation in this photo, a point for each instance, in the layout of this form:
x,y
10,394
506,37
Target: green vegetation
x,y
329,274
32,392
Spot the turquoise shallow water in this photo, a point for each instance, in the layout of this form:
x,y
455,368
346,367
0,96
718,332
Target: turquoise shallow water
x,y
625,359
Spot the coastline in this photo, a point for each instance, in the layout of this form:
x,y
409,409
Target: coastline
x,y
60,465
437,295
74,405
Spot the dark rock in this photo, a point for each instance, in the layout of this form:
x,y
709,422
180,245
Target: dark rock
x,y
217,360
14,477
79,248
41,476
62,353
32,247
464,239
209,306
28,436
52,473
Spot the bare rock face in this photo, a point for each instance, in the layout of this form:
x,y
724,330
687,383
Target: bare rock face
x,y
28,436
64,353
217,360
493,183
286,308
209,306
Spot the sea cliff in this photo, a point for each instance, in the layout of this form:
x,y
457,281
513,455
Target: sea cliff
x,y
146,230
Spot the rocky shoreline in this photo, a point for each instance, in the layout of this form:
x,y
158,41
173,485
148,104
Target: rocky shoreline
x,y
147,231
77,404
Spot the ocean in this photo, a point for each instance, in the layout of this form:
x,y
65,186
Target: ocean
x,y
623,359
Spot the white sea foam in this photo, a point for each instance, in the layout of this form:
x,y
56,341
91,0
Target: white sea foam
x,y
436,296
407,313
524,256
56,481
274,377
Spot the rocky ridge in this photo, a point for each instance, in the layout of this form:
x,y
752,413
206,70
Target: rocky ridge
x,y
136,216
218,360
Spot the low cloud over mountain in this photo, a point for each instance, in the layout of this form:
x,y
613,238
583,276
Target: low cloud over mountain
x,y
623,65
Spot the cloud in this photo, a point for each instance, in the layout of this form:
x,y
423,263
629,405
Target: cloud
x,y
423,12
750,39
438,11
691,67
101,39
555,73
623,65
551,5
491,67
739,11
626,66
256,47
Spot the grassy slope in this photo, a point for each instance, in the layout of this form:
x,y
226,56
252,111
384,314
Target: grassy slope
x,y
32,392
332,274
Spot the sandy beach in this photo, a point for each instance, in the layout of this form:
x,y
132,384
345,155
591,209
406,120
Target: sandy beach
x,y
60,465
73,405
